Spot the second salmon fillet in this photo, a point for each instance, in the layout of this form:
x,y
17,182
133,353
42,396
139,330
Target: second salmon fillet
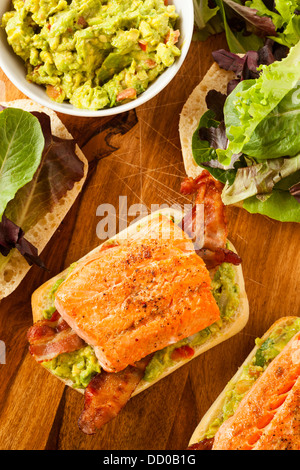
x,y
140,296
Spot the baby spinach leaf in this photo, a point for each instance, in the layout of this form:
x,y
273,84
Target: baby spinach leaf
x,y
203,151
21,147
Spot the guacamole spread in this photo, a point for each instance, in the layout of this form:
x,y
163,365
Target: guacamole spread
x,y
50,307
266,352
94,54
79,366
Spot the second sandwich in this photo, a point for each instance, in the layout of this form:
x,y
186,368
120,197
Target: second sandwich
x,y
259,408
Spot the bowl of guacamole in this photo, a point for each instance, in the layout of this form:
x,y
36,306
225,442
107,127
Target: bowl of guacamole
x,y
93,57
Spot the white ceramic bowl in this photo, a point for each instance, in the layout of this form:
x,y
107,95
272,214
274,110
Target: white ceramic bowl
x,y
14,69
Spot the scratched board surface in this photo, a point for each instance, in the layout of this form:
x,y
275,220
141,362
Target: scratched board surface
x,y
135,159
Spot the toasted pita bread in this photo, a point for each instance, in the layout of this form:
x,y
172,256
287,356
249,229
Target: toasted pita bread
x,y
17,267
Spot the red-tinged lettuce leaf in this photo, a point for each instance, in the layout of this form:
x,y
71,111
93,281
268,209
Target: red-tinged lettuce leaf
x,y
211,132
295,191
12,236
229,61
216,101
211,127
266,55
59,170
247,67
263,25
211,135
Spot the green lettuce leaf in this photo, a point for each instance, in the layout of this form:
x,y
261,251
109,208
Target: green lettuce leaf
x,y
202,151
205,154
261,24
21,148
263,10
252,101
285,17
279,133
59,169
203,13
262,132
237,41
207,20
259,179
281,206
246,24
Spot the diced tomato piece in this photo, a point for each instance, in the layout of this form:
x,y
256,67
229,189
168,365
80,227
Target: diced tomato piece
x,y
143,45
53,92
175,37
82,22
184,352
166,2
150,63
129,93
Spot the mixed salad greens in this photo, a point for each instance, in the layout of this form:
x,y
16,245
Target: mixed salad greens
x,y
249,139
36,171
248,22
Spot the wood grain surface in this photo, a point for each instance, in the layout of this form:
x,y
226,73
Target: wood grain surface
x,y
138,155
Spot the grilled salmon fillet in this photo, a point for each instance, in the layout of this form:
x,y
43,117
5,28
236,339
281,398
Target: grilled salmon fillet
x,y
268,417
139,296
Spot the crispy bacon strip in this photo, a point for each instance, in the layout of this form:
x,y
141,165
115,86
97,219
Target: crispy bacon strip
x,y
49,338
107,394
209,195
216,258
210,234
206,444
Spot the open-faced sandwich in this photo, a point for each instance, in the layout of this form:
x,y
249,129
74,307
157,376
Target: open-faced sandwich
x,y
42,171
140,305
241,123
260,407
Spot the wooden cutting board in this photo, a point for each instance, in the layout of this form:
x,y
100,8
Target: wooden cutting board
x,y
137,155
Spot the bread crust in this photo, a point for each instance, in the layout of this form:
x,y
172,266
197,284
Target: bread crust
x,y
16,266
215,409
241,316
